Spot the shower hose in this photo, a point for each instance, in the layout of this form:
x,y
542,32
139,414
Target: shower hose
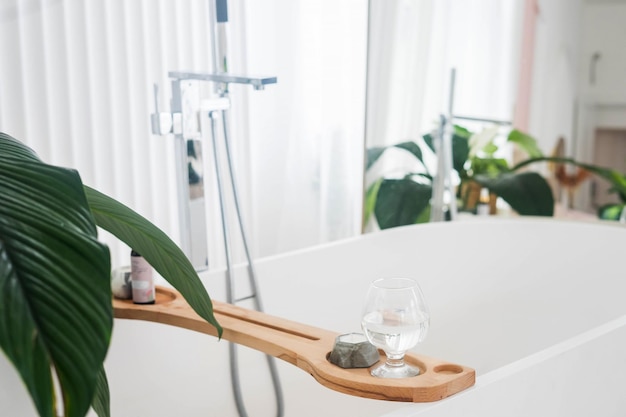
x,y
230,297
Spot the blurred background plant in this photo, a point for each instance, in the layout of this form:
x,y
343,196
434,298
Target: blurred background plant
x,y
402,197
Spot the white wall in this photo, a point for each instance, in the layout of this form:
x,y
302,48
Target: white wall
x,y
604,31
602,102
555,72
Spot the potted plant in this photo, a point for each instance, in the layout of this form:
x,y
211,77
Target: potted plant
x,y
55,294
396,201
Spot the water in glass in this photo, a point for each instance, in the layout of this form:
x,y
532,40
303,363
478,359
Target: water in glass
x,y
395,319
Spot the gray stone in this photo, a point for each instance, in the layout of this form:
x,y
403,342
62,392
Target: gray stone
x,y
353,350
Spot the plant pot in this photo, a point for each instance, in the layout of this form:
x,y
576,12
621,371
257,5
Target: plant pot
x,y
470,194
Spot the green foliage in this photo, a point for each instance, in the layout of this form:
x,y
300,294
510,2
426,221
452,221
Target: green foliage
x,y
373,154
527,192
527,143
370,200
101,403
167,259
400,202
55,292
611,212
397,202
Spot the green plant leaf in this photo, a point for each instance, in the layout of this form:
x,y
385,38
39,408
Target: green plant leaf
x,y
411,147
527,143
429,141
370,200
372,155
461,131
101,403
489,166
424,216
55,292
400,202
156,247
528,193
610,211
14,149
460,152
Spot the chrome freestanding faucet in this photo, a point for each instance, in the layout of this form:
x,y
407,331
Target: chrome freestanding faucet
x,y
191,198
182,122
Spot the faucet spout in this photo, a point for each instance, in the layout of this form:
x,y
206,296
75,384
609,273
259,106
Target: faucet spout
x,y
258,82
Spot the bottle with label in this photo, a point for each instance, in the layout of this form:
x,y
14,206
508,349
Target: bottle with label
x,y
142,279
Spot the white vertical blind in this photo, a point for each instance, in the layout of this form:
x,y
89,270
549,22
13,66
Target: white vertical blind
x,y
76,86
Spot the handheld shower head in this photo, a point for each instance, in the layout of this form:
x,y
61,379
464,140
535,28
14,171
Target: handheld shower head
x,y
221,11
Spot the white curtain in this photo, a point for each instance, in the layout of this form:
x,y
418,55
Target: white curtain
x,y
307,132
417,43
76,85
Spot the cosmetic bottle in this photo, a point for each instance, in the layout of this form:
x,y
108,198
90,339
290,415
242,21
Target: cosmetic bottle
x,y
482,208
142,279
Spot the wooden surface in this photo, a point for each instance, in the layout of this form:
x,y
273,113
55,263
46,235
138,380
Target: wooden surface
x,y
304,346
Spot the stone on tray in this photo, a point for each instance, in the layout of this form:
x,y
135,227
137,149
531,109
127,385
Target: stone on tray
x,y
353,350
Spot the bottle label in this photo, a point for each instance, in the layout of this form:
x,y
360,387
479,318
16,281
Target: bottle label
x,y
142,280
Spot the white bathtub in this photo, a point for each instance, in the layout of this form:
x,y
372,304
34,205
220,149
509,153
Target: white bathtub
x,y
537,307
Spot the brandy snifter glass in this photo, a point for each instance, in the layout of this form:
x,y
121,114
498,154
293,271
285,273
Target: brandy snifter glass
x,y
395,319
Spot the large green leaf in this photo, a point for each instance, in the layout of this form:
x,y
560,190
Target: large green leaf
x,y
401,202
156,247
373,154
460,152
528,193
15,150
429,141
370,200
101,401
411,147
55,293
526,143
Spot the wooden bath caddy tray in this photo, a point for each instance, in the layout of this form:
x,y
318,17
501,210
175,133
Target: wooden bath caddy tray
x,y
305,346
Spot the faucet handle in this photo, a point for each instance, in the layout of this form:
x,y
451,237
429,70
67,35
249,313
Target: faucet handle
x,y
161,122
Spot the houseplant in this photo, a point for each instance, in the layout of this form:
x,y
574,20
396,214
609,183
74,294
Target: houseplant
x,y
55,293
396,201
